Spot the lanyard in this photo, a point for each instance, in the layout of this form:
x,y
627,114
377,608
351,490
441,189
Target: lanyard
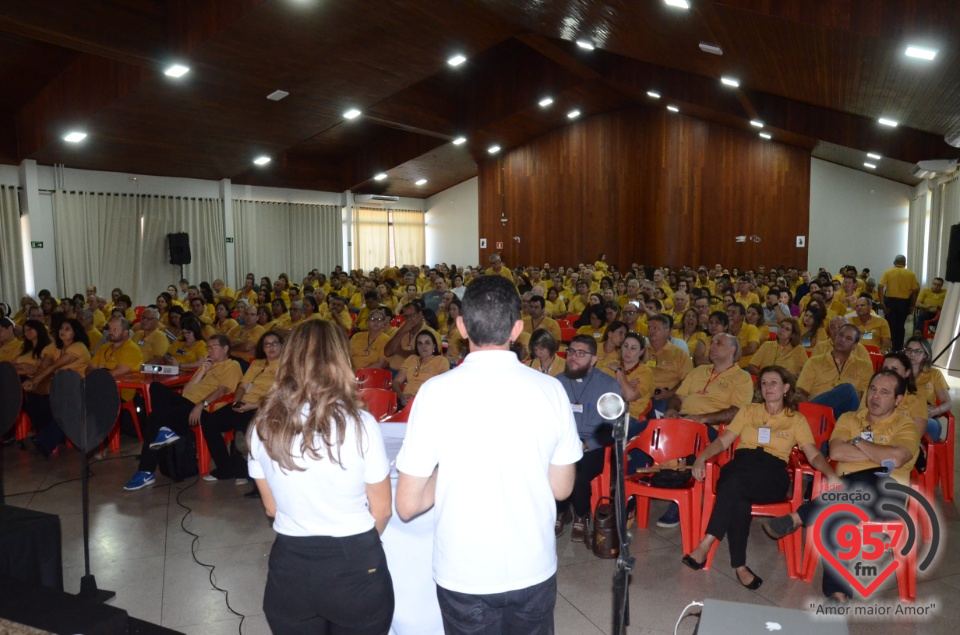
x,y
838,366
713,377
576,397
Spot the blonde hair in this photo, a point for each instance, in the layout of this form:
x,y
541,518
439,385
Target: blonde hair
x,y
314,370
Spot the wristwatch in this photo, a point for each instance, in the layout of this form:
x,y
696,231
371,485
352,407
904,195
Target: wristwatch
x,y
855,440
206,404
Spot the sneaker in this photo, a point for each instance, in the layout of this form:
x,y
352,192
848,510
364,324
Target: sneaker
x,y
670,518
210,478
139,481
165,436
240,481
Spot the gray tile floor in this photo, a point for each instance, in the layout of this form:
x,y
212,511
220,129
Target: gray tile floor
x,y
139,550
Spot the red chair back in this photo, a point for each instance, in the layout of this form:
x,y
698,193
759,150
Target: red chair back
x,y
821,421
402,416
396,321
381,403
669,439
567,334
374,378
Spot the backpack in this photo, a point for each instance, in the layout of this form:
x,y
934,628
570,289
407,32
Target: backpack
x,y
178,461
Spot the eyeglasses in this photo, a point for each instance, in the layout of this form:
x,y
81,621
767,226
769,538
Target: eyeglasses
x,y
377,319
578,352
271,344
914,351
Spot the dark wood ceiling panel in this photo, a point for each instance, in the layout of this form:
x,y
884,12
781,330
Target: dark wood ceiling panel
x,y
443,167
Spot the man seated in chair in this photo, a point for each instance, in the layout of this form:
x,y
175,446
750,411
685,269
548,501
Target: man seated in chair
x,y
151,339
861,442
119,354
836,379
710,394
174,414
930,301
874,330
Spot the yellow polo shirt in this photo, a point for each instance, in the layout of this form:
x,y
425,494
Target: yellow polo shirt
x,y
127,354
11,350
415,378
929,382
928,297
788,428
792,358
874,331
226,373
748,334
670,366
896,429
179,351
898,282
408,344
153,345
747,300
364,353
821,374
249,335
705,393
258,380
557,366
544,323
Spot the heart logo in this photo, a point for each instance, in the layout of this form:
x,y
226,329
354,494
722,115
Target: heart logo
x,y
832,559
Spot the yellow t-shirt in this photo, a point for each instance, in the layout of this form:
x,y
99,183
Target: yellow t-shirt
x,y
596,334
577,306
503,272
153,345
788,428
705,393
543,323
415,378
364,353
555,308
929,382
874,331
94,336
771,353
929,298
127,354
821,374
895,429
228,325
78,350
258,380
557,366
179,351
99,321
10,351
748,334
408,344
226,373
826,347
246,335
343,319
698,336
747,300
604,358
670,366
898,282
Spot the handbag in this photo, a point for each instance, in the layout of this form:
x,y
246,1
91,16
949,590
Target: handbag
x,y
606,540
670,478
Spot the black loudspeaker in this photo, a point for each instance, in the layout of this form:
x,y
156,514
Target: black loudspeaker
x,y
953,255
179,248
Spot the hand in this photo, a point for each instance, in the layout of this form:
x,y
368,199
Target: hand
x,y
613,365
207,364
245,407
28,386
699,469
195,414
670,414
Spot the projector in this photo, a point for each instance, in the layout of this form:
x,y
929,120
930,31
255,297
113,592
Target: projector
x,y
157,369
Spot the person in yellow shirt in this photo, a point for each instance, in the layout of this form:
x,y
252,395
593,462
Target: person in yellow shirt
x,y
120,355
873,330
496,268
223,323
688,329
754,317
221,292
93,335
836,379
537,319
245,338
10,345
174,414
199,311
747,334
744,295
634,376
785,352
190,349
578,304
670,365
371,302
930,301
898,294
543,353
402,343
596,322
338,313
366,347
427,362
151,339
98,319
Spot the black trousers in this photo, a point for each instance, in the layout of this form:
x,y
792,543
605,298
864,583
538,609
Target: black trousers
x,y
170,410
752,477
527,611
49,434
213,426
897,319
336,586
588,468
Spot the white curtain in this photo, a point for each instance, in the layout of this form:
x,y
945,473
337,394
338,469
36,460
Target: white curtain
x,y
371,238
202,218
946,212
917,247
291,238
12,280
409,238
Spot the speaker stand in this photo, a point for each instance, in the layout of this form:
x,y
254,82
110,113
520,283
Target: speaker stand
x,y
88,583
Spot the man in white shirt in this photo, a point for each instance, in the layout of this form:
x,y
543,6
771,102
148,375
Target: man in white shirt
x,y
493,471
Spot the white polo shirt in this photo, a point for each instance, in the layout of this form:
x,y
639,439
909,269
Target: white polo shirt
x,y
494,427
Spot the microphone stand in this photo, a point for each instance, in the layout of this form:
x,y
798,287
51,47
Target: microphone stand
x,y
625,562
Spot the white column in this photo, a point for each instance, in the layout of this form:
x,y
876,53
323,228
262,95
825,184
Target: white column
x,y
36,225
226,196
347,204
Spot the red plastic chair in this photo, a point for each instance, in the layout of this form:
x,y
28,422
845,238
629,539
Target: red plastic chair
x,y
567,334
381,403
396,321
600,485
24,426
138,312
402,416
666,440
876,357
928,332
573,317
565,323
374,378
944,452
203,453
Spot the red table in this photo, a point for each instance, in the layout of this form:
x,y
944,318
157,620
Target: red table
x,y
141,383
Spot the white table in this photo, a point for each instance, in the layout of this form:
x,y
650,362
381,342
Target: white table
x,y
409,549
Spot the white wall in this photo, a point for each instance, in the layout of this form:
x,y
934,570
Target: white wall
x,y
453,225
9,175
855,219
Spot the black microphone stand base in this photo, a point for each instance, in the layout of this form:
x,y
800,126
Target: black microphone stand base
x,y
89,590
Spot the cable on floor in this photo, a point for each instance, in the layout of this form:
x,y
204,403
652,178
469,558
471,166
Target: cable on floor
x,y
90,473
193,552
694,603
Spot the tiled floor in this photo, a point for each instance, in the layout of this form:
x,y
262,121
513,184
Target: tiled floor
x,y
139,550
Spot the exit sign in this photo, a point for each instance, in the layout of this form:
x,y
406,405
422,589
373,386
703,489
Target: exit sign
x,y
229,240
36,244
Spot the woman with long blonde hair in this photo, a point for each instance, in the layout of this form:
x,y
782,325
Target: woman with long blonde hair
x,y
319,462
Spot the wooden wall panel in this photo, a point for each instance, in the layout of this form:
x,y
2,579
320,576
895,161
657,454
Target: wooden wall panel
x,y
649,187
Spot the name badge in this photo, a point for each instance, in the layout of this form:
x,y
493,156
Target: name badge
x,y
577,408
805,343
867,435
763,435
867,336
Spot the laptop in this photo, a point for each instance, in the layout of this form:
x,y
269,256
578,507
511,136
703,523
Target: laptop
x,y
733,618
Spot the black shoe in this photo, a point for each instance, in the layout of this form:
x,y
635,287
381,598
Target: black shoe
x,y
254,493
780,526
754,584
693,564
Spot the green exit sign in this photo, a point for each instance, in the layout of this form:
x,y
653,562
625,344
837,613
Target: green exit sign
x,y
36,244
229,240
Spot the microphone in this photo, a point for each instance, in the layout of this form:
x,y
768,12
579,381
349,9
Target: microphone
x,y
610,405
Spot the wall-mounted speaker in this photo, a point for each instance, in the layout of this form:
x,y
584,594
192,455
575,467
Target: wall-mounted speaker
x,y
179,248
953,255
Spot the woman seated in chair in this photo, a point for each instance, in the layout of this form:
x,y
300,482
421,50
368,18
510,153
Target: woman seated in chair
x,y
717,323
608,349
768,430
635,378
366,347
456,344
690,332
784,351
256,383
35,340
594,319
418,368
931,386
189,349
223,323
543,354
812,327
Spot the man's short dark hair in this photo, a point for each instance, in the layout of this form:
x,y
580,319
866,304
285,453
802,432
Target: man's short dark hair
x,y
739,307
587,340
661,318
901,388
538,300
220,339
371,295
491,306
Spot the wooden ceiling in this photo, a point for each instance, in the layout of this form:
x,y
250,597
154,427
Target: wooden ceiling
x,y
818,73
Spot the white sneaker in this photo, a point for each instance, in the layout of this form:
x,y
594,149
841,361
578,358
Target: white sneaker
x,y
240,481
210,478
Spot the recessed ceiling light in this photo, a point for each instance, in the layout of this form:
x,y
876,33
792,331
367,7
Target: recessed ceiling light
x,y
459,140
456,60
277,95
874,156
353,113
421,182
887,122
673,109
730,81
546,101
766,135
653,94
493,149
680,4
756,124
584,44
75,137
262,160
380,176
870,165
921,52
573,114
176,70
713,49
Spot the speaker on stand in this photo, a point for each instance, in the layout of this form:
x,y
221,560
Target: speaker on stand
x,y
951,275
179,250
